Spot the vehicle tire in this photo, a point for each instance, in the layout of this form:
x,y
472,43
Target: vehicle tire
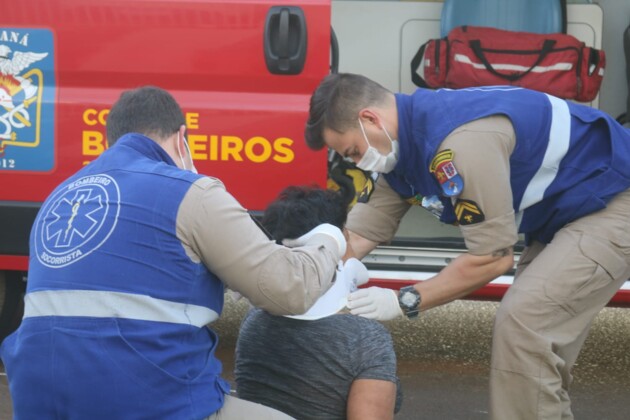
x,y
12,290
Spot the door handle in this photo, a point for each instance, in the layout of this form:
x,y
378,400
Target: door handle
x,y
285,40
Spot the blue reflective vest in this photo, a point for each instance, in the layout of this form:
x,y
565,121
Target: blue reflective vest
x,y
115,311
569,159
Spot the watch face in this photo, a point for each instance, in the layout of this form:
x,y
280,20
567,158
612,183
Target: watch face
x,y
409,299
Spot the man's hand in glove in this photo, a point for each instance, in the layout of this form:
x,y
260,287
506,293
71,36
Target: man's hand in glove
x,y
375,303
320,235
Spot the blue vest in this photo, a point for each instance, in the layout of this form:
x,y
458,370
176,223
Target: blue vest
x,y
569,159
116,312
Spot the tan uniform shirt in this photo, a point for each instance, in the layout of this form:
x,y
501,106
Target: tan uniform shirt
x,y
217,231
482,151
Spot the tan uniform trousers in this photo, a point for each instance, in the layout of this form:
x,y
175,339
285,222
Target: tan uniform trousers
x,y
238,409
545,316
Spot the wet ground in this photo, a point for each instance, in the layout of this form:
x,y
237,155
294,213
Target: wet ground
x,y
443,363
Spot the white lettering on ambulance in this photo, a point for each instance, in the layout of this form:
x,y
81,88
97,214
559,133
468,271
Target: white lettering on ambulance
x,y
15,37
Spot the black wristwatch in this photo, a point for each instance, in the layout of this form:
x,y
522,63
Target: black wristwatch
x,y
409,300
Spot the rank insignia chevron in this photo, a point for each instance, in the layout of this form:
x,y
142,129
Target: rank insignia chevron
x,y
468,212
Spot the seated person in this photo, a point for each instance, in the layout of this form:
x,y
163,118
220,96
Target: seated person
x,y
323,364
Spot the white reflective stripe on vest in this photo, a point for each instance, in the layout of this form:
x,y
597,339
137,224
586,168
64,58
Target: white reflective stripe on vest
x,y
99,304
557,148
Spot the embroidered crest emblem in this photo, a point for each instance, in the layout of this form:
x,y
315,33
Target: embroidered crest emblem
x,y
76,220
468,212
27,92
443,169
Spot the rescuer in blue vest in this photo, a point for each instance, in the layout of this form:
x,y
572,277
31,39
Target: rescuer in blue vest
x,y
129,258
497,161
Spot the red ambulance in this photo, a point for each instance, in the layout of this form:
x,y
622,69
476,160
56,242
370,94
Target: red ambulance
x,y
242,70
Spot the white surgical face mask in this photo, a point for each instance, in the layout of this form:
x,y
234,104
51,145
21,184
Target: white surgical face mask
x,y
192,164
373,160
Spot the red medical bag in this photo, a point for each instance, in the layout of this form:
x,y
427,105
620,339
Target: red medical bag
x,y
558,64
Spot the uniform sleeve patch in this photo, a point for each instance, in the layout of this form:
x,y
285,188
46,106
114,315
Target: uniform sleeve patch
x,y
367,190
468,212
443,169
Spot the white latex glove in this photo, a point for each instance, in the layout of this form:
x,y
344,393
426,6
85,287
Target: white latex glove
x,y
357,272
315,235
375,303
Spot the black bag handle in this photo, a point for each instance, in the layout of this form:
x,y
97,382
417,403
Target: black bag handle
x,y
415,62
475,45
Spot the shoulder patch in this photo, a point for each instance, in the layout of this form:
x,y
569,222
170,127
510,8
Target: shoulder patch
x,y
366,191
468,212
443,169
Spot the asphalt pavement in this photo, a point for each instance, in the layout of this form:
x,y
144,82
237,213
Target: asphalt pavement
x,y
443,363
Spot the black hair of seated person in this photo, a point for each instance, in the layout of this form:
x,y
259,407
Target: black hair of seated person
x,y
298,209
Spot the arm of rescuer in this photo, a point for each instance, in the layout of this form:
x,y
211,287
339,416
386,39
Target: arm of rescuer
x,y
218,232
481,156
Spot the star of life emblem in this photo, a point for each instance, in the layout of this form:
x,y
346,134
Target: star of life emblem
x,y
76,220
26,99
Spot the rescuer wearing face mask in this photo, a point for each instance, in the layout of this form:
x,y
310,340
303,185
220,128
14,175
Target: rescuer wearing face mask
x,y
130,257
497,161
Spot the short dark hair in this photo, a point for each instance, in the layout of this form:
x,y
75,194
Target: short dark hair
x,y
299,209
147,110
336,103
